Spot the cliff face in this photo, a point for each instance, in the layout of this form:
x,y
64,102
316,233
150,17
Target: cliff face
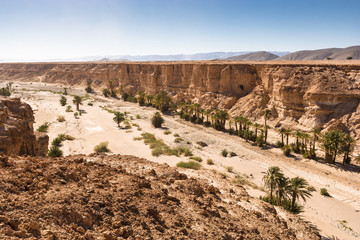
x,y
17,135
307,94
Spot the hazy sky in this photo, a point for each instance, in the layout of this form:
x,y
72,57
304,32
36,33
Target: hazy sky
x,y
53,29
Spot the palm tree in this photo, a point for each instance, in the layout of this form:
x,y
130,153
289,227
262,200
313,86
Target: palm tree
x,y
257,126
207,114
77,101
315,132
347,146
141,97
282,132
331,143
282,186
119,117
271,178
298,189
267,114
287,133
297,135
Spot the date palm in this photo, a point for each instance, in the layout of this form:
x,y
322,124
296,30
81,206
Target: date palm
x,y
267,114
119,117
282,185
287,133
282,132
298,189
257,126
271,178
315,133
77,101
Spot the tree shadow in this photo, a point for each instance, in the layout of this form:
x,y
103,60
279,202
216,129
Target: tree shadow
x,y
339,166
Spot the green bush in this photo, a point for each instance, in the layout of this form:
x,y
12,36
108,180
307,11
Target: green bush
x,y
56,142
167,132
63,101
5,92
189,164
44,127
157,120
90,104
210,161
157,151
55,151
279,144
178,140
224,153
68,109
286,150
125,96
260,140
102,147
106,92
230,169
198,159
138,116
324,192
61,118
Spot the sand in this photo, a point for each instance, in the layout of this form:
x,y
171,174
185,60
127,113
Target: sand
x,y
96,125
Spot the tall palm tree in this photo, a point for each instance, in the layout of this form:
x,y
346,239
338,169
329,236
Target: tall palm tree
x,y
287,133
282,132
347,146
282,185
271,178
119,117
77,101
315,132
297,135
267,114
298,189
256,126
207,113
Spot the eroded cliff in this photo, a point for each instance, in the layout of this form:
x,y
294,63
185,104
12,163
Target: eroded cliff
x,y
17,135
305,94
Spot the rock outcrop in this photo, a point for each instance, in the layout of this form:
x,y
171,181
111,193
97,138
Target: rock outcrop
x,y
308,94
17,135
124,197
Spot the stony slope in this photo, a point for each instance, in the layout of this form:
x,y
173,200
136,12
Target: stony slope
x,y
124,197
324,54
256,56
17,135
303,94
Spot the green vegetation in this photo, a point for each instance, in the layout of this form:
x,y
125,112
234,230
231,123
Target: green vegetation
x,y
178,140
189,164
157,120
55,151
68,109
267,114
198,159
77,101
88,88
167,132
210,161
229,169
106,92
6,91
63,100
102,147
118,118
284,191
324,192
43,127
286,150
162,101
241,180
224,153
138,116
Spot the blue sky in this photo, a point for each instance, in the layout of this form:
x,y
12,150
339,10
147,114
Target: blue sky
x,y
55,29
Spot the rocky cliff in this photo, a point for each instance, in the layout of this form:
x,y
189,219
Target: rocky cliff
x,y
306,94
17,135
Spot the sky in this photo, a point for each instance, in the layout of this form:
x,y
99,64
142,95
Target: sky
x,y
64,29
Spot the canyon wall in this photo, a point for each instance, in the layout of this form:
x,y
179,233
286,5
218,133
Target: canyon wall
x,y
307,95
17,135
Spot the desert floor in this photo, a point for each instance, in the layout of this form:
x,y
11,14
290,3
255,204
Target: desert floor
x,y
96,125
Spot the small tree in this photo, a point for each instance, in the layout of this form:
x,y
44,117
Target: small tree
x,y
106,92
157,120
63,101
65,91
88,89
77,101
119,117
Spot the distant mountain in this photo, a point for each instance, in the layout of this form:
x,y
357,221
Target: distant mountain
x,y
255,56
324,54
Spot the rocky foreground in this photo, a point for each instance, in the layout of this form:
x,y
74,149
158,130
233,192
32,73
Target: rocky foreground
x,y
116,197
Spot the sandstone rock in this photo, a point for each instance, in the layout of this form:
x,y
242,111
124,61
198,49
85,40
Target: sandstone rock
x,y
16,130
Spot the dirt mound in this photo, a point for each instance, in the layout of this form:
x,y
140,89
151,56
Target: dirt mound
x,y
115,197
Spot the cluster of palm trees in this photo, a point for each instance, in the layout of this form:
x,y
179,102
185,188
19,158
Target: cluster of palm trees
x,y
284,191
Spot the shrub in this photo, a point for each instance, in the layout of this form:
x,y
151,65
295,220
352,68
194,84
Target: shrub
x,y
132,99
189,164
167,132
76,115
279,144
90,104
157,151
324,192
224,153
311,189
102,147
138,116
178,139
198,159
56,142
260,140
286,150
176,135
5,92
63,101
125,96
106,92
61,118
229,169
43,127
210,161
68,109
55,151
157,120
186,151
